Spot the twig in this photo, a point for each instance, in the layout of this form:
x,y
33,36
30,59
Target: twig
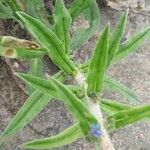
x,y
1,62
2,98
11,70
140,12
37,132
105,141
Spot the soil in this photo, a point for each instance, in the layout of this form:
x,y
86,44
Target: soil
x,y
133,72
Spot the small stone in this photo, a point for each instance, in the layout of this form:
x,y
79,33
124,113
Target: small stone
x,y
141,136
16,65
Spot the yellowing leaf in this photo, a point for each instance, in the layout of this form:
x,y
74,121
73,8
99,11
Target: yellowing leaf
x,y
49,41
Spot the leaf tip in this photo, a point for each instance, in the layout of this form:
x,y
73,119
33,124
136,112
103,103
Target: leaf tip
x,y
17,74
21,146
19,13
125,14
127,11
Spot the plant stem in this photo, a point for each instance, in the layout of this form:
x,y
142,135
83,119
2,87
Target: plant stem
x,y
105,141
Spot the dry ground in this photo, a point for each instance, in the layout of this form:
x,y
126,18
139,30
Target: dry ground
x,y
133,72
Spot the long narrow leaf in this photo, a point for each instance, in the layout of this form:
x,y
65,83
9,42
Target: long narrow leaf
x,y
128,47
58,90
36,69
13,5
49,41
98,64
60,76
5,12
119,87
63,21
31,108
116,38
111,106
68,136
123,118
35,8
132,44
82,35
35,103
78,6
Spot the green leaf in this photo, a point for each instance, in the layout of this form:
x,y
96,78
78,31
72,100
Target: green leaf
x,y
13,5
31,108
119,87
129,46
21,53
60,91
63,21
98,64
35,8
116,37
34,104
68,136
5,12
60,75
30,54
111,106
36,67
123,118
78,6
82,35
132,44
49,41
74,89
147,118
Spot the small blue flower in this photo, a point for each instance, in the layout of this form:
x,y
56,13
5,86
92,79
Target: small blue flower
x,y
96,130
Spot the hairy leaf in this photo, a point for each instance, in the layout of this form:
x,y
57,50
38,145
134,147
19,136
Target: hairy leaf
x,y
34,104
123,118
60,76
68,136
78,6
36,69
74,88
82,35
115,38
13,5
5,12
111,106
63,21
31,108
119,87
58,90
35,8
132,44
98,64
49,41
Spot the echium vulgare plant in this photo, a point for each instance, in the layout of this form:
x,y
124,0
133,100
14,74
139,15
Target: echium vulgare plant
x,y
52,37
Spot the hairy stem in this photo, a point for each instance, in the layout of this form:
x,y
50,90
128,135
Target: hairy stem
x,y
105,141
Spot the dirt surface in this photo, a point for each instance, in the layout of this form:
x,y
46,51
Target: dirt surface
x,y
133,72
